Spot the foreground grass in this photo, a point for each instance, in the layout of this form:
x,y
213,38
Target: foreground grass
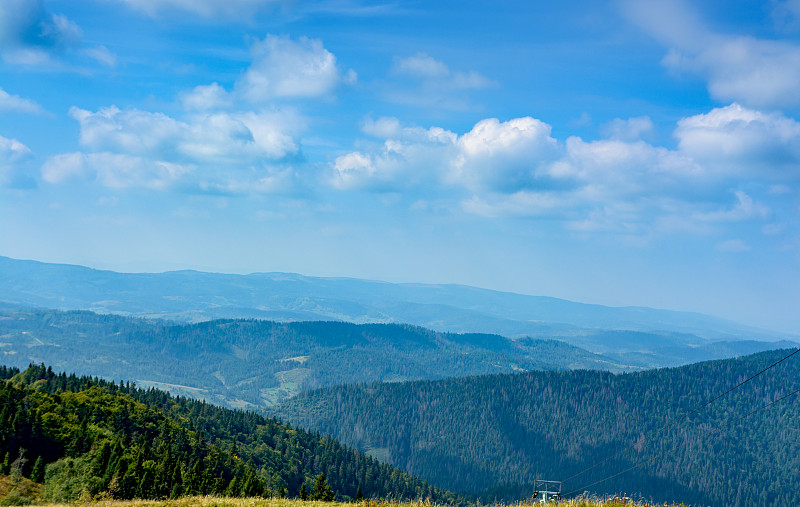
x,y
208,501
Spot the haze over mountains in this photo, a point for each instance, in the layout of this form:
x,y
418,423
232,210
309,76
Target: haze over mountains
x,y
651,337
263,341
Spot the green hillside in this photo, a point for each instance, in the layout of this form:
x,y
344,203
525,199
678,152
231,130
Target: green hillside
x,y
494,434
83,436
251,363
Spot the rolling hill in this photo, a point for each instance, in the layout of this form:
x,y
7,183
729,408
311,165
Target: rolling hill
x,y
251,363
81,436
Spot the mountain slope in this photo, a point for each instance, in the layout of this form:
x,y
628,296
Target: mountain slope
x,y
248,363
82,434
497,433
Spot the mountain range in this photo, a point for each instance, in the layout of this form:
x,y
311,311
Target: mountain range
x,y
633,336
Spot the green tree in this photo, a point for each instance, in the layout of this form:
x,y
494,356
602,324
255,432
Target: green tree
x,y
37,474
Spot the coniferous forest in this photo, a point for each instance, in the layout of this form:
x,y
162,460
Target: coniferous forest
x,y
85,436
493,435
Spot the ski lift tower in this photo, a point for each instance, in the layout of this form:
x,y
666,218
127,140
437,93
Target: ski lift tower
x,y
546,491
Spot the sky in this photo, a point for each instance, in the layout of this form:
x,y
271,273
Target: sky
x,y
626,152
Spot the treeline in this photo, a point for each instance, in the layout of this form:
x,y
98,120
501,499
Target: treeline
x,y
84,435
494,434
252,363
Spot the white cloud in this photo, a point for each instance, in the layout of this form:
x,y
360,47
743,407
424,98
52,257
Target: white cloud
x,y
113,170
102,54
734,139
427,82
219,152
12,153
207,138
206,97
236,9
64,167
436,74
284,68
30,35
502,156
756,72
18,104
628,130
422,66
493,155
617,168
746,208
409,156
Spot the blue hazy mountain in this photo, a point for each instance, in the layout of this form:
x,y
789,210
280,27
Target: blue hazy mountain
x,y
650,335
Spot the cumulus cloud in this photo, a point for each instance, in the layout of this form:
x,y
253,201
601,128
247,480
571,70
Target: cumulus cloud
x,y
756,72
210,138
236,9
620,168
285,68
18,104
217,152
502,156
30,35
738,140
409,156
493,155
621,185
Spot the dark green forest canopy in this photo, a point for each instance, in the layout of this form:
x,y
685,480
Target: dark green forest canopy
x,y
254,363
90,434
494,434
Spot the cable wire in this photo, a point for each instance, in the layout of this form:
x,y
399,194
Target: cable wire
x,y
676,421
708,432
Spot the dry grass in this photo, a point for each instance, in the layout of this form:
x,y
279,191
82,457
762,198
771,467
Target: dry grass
x,y
208,501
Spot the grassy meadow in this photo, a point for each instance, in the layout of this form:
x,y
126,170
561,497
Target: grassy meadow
x,y
208,501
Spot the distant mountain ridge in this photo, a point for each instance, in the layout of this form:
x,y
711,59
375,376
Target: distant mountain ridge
x,y
192,296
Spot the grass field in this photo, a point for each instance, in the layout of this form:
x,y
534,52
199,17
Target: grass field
x,y
207,501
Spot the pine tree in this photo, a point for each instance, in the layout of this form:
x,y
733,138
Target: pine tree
x,y
303,492
359,494
5,466
37,474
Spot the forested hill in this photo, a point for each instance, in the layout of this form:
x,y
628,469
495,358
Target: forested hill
x,y
497,433
250,363
81,434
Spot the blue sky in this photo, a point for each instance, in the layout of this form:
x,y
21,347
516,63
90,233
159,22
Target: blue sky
x,y
623,152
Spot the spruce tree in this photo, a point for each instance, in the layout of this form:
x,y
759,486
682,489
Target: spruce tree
x,y
5,466
37,474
